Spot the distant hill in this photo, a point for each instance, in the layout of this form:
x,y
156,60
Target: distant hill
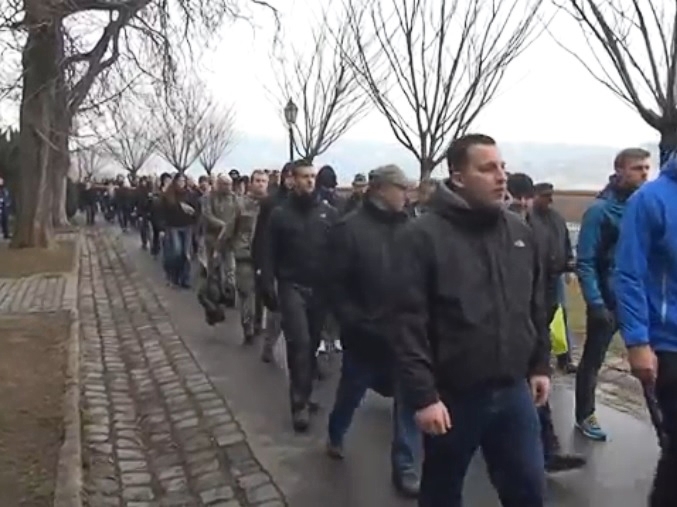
x,y
567,166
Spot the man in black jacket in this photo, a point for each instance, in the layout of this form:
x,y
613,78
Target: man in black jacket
x,y
276,196
360,283
295,254
471,339
522,189
561,254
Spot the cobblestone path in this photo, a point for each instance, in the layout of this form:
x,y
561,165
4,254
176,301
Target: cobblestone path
x,y
155,431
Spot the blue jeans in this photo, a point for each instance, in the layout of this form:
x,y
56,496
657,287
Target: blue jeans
x,y
502,421
177,264
356,378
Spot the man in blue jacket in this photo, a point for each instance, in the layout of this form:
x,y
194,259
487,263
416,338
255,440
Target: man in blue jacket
x,y
594,267
645,283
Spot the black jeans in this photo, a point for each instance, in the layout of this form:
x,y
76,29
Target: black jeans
x,y
4,223
90,212
303,314
599,333
155,241
144,230
664,492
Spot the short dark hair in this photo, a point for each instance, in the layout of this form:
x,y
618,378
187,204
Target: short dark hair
x,y
630,154
457,153
295,165
520,185
202,178
259,172
544,188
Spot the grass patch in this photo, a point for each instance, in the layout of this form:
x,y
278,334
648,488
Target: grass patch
x,y
32,369
576,319
18,263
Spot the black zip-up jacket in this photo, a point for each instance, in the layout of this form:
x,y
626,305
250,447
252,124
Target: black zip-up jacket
x,y
296,241
469,309
360,283
172,212
276,198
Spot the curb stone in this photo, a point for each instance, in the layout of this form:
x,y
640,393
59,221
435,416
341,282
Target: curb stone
x,y
67,492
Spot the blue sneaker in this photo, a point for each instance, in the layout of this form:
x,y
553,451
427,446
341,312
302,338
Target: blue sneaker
x,y
589,427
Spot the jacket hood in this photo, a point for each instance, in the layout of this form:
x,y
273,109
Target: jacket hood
x,y
326,177
449,204
669,169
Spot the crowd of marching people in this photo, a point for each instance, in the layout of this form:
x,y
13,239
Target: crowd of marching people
x,y
443,301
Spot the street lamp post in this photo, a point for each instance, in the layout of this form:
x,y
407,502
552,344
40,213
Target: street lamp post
x,y
290,112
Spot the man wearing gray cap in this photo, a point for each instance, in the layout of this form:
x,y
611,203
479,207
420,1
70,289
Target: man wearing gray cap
x,y
360,283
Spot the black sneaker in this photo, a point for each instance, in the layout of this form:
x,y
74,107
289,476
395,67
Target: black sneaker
x,y
564,463
267,355
301,420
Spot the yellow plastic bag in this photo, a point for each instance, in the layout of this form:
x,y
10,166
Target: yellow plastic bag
x,y
558,333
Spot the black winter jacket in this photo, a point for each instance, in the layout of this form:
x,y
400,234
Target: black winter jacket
x,y
360,284
469,309
296,242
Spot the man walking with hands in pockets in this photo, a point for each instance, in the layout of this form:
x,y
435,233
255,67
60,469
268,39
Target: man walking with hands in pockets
x,y
472,343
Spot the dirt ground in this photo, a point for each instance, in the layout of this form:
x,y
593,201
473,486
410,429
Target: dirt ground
x,y
576,315
32,261
32,370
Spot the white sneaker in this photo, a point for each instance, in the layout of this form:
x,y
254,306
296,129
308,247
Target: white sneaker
x,y
337,346
322,349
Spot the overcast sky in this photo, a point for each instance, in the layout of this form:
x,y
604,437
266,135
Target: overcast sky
x,y
547,95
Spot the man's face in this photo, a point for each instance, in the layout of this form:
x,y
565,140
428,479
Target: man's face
x,y
289,181
181,182
2,182
258,185
224,184
304,179
634,172
394,196
521,204
204,185
359,188
482,179
543,201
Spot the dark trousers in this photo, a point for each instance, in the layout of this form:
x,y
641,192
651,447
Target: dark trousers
x,y
144,230
356,378
124,217
664,493
90,213
548,436
599,333
303,314
4,223
504,424
155,241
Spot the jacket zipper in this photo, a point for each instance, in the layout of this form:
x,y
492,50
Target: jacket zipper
x,y
664,296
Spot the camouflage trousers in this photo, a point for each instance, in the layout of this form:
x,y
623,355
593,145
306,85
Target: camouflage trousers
x,y
245,282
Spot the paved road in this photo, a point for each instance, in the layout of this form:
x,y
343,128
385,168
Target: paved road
x,y
618,475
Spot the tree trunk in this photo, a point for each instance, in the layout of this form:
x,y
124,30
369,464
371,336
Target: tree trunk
x,y
37,123
668,143
62,160
426,167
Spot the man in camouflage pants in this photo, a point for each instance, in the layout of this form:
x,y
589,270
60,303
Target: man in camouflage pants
x,y
245,273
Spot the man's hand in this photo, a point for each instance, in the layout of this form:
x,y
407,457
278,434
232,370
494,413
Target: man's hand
x,y
540,389
434,419
189,210
643,364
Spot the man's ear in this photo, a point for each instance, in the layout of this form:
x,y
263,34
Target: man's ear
x,y
457,179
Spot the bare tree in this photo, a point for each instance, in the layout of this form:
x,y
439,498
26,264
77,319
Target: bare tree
x,y
216,136
319,78
181,120
132,141
431,66
64,56
634,52
89,162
